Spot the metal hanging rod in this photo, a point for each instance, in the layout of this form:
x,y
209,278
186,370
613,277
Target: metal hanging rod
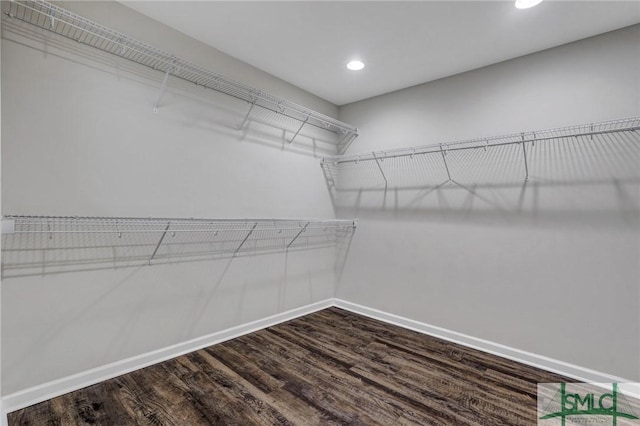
x,y
631,124
63,22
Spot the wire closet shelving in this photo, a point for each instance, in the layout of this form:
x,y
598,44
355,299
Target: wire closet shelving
x,y
45,244
56,19
604,150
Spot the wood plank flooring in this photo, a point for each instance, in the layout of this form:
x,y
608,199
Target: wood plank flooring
x,y
330,367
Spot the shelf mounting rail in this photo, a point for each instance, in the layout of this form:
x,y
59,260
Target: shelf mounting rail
x,y
68,24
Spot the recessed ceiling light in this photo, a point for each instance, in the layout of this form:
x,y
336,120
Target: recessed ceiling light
x,y
355,65
526,4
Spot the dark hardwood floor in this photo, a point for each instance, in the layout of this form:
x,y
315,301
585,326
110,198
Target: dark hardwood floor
x,y
330,367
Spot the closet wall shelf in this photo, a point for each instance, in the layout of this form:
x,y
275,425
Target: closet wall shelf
x,y
595,153
63,22
590,130
33,244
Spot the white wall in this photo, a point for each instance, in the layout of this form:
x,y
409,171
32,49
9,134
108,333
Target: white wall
x,y
553,269
79,138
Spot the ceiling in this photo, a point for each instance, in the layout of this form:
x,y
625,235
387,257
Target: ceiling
x,y
308,43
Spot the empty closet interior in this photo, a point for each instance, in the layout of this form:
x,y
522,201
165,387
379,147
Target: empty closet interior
x,y
160,196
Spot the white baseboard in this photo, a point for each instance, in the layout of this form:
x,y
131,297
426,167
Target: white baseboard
x,y
58,387
81,380
528,358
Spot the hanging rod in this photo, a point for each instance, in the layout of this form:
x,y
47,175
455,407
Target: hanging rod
x,y
631,124
68,24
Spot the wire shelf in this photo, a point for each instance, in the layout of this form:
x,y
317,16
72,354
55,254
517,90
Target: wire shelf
x,y
596,151
49,244
70,25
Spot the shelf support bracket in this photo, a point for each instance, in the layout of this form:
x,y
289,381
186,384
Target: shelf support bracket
x,y
245,239
163,88
300,128
246,117
524,153
159,242
346,141
444,158
386,183
298,234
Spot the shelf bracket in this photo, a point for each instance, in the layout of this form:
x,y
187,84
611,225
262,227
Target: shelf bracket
x,y
444,158
246,117
386,183
245,239
524,153
327,174
300,128
298,234
346,140
159,242
163,88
